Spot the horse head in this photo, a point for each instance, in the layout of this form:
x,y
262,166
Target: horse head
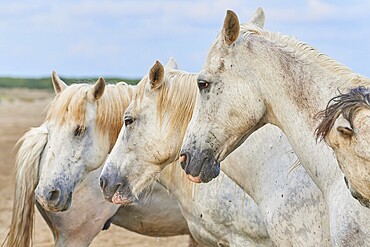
x,y
224,115
83,122
345,127
154,124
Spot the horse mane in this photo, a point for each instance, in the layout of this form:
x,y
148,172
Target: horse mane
x,y
27,165
70,106
177,94
346,104
303,50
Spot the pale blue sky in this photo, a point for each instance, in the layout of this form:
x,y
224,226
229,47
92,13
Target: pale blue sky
x,y
124,38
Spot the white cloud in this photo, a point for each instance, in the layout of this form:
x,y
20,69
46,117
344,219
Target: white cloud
x,y
129,35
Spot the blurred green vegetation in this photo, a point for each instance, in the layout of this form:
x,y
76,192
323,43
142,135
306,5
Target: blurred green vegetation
x,y
45,83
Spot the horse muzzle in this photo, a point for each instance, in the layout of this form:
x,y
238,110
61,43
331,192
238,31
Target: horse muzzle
x,y
200,167
116,189
54,198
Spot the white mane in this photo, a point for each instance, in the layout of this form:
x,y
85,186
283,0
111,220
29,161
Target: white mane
x,y
302,50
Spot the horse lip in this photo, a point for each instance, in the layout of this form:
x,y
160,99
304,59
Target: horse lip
x,y
119,198
122,195
194,179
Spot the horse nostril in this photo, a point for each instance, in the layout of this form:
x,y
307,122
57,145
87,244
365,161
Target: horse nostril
x,y
102,182
54,195
117,186
183,160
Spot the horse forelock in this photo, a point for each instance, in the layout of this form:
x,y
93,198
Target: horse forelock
x,y
346,104
111,108
70,107
176,95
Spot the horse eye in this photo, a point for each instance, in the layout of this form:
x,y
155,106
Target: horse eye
x,y
202,84
79,130
128,120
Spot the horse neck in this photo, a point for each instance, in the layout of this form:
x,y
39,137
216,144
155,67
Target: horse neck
x,y
174,180
237,172
255,160
294,93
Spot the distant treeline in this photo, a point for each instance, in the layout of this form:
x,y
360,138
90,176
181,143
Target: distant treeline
x,y
45,83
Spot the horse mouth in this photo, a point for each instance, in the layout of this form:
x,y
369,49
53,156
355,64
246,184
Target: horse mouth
x,y
194,179
119,198
122,195
361,199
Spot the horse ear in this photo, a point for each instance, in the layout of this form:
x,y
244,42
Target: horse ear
x,y
97,90
171,64
259,18
156,75
231,27
343,126
58,84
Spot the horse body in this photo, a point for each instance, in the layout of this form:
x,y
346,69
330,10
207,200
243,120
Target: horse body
x,y
88,213
295,214
261,77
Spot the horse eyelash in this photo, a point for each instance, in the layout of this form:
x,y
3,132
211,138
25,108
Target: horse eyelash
x,y
79,130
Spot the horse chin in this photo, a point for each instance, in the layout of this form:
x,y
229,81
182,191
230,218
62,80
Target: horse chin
x,y
209,171
361,199
357,195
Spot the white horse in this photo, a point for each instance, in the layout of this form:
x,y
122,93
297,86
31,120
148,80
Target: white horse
x,y
155,123
345,126
89,212
252,77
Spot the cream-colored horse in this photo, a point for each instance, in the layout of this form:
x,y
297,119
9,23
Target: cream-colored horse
x,y
252,77
142,152
89,212
345,127
83,123
156,122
